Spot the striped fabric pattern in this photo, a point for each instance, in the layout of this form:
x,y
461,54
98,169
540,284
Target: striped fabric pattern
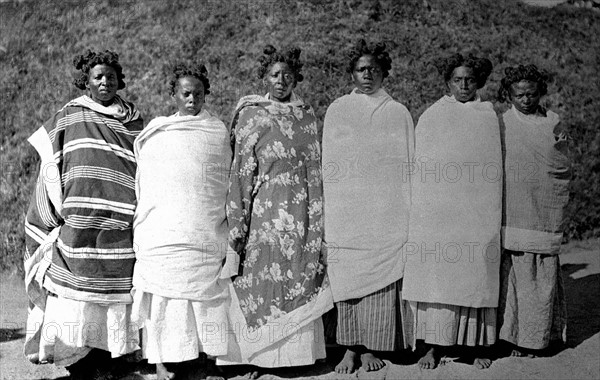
x,y
371,321
93,257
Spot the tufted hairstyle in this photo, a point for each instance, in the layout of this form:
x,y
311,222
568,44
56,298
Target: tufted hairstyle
x,y
271,56
85,62
516,74
182,70
361,48
482,67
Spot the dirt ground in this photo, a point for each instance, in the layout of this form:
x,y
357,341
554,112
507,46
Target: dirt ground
x,y
579,360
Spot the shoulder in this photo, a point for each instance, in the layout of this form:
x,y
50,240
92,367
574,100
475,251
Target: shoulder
x,y
551,115
339,105
398,107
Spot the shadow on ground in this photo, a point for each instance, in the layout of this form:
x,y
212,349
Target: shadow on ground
x,y
583,304
6,335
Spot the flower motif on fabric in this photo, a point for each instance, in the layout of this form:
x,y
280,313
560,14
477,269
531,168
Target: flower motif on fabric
x,y
274,210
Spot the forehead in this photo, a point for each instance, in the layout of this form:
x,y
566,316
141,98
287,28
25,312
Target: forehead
x,y
462,72
190,83
280,66
366,60
102,69
524,85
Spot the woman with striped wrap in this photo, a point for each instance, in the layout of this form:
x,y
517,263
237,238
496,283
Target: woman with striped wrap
x,y
79,258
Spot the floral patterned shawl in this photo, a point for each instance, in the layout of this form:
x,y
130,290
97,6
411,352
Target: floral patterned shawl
x,y
274,211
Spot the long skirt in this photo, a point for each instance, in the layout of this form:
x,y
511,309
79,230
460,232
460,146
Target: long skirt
x,y
71,329
303,347
449,325
176,330
372,321
532,309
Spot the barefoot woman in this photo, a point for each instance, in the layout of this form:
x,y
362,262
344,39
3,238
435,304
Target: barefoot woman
x,y
532,310
453,256
366,208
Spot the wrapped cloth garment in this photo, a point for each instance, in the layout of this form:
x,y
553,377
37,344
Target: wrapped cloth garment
x,y
368,143
451,277
537,174
373,321
453,250
532,310
274,210
79,232
181,294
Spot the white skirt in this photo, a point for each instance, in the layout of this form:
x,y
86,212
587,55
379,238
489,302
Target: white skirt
x,y
72,328
298,348
176,330
304,347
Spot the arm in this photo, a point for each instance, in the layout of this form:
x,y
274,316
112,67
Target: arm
x,y
244,171
41,217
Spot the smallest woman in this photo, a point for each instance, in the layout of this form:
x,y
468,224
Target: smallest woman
x,y
532,308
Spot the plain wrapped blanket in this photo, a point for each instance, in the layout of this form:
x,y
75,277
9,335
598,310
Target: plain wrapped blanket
x,y
537,177
180,228
368,142
453,250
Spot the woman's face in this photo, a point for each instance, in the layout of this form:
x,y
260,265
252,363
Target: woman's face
x,y
525,96
463,84
280,81
102,84
367,75
189,96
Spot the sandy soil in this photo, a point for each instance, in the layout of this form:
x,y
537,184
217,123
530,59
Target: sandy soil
x,y
579,360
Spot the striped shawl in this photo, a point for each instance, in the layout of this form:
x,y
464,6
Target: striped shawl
x,y
79,223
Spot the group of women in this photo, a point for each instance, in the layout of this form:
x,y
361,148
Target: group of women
x,y
186,237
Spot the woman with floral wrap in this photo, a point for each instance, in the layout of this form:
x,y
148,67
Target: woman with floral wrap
x,y
274,210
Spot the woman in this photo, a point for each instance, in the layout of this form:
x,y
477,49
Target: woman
x,y
180,232
532,309
274,210
453,254
368,139
80,256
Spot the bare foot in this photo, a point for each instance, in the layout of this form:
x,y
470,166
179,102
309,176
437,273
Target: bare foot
x,y
348,363
252,375
482,363
370,362
430,360
521,353
162,373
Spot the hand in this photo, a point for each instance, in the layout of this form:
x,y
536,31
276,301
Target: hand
x,y
231,265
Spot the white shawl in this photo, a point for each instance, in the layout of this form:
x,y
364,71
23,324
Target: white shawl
x,y
180,228
453,251
367,144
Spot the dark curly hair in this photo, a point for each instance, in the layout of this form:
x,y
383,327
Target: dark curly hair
x,y
85,62
361,48
529,73
195,70
271,56
482,67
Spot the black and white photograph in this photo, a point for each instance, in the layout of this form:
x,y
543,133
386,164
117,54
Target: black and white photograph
x,y
299,189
